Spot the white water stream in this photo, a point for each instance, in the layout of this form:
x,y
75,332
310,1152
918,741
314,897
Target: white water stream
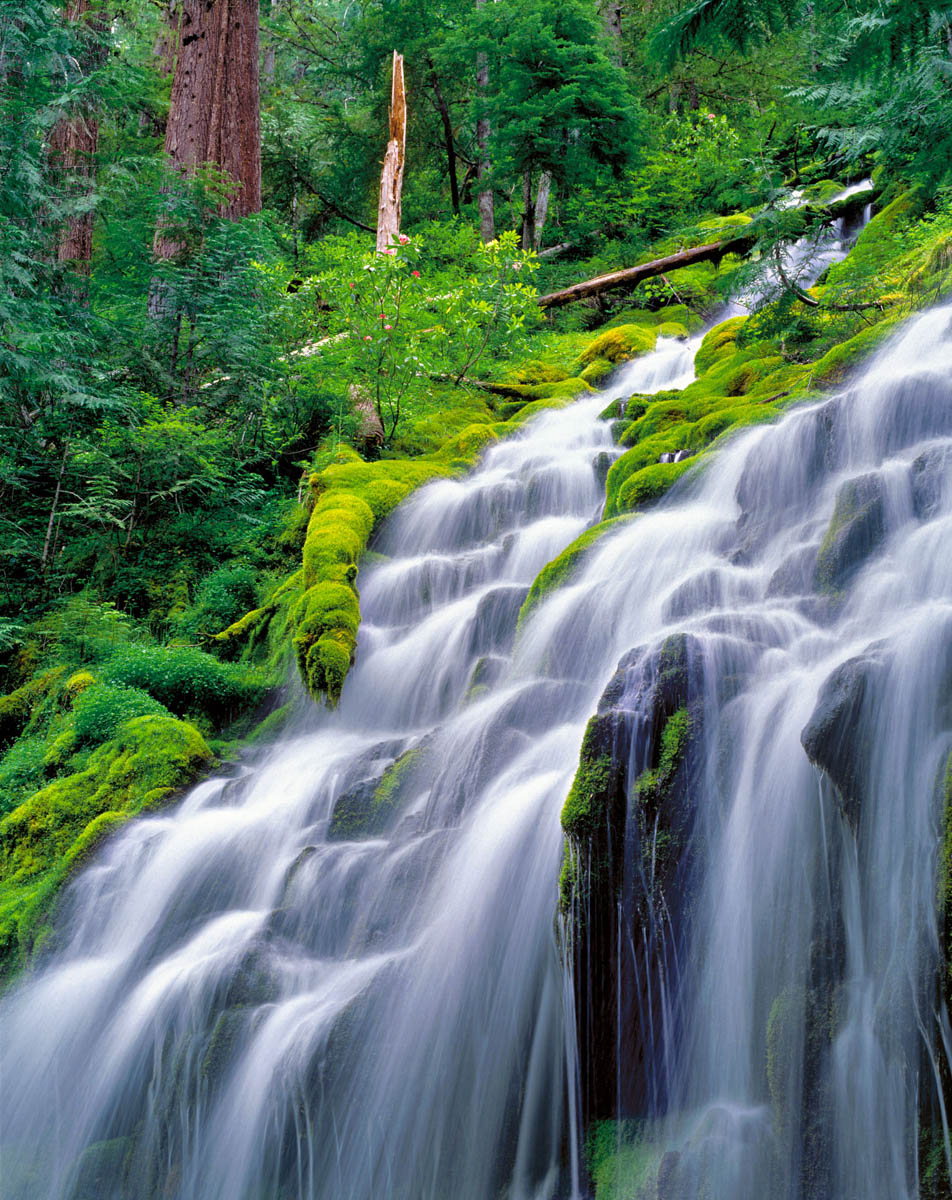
x,y
250,1003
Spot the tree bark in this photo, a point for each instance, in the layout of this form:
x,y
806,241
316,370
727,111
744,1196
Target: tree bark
x,y
391,177
543,192
528,211
487,216
73,146
443,109
611,18
214,115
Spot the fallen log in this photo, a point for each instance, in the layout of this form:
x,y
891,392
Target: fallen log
x,y
629,276
739,243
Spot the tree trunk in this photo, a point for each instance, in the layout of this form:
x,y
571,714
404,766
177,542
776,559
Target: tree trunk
x,y
214,114
73,146
528,211
611,18
270,52
487,217
543,192
443,109
391,178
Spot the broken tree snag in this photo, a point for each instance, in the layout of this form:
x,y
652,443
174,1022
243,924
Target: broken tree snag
x,y
391,177
629,276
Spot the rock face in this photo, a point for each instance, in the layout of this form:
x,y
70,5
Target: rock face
x,y
626,880
856,530
836,737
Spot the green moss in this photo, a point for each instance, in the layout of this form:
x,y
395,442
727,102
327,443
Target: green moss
x,y
783,1030
838,363
582,813
368,811
672,329
561,569
597,370
18,707
620,343
621,1162
718,343
649,485
652,786
45,837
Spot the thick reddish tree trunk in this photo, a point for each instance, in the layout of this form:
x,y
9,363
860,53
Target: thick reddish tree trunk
x,y
214,114
73,146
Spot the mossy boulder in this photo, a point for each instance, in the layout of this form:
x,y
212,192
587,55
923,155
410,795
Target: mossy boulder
x,y
42,840
841,361
620,343
368,809
565,567
857,528
719,343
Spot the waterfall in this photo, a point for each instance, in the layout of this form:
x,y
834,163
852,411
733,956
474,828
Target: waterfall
x,y
811,571
333,971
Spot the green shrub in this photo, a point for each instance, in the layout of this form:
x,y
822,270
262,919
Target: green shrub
x,y
187,681
101,708
221,598
22,771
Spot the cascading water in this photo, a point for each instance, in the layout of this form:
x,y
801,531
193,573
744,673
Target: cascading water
x,y
811,570
256,998
281,990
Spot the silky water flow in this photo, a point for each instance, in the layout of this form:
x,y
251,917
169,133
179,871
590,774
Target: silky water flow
x,y
248,1002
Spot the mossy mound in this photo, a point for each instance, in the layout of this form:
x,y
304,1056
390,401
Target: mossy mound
x,y
50,834
718,343
563,568
619,343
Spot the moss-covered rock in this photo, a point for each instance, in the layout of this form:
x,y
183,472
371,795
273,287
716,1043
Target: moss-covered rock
x,y
620,343
563,568
718,343
628,856
857,528
43,839
368,808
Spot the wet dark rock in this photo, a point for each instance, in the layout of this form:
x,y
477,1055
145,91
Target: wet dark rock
x,y
796,575
494,625
102,1169
931,477
488,670
836,737
368,808
629,819
857,528
602,466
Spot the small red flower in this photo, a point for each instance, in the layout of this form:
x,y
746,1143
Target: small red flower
x,y
367,337
415,274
